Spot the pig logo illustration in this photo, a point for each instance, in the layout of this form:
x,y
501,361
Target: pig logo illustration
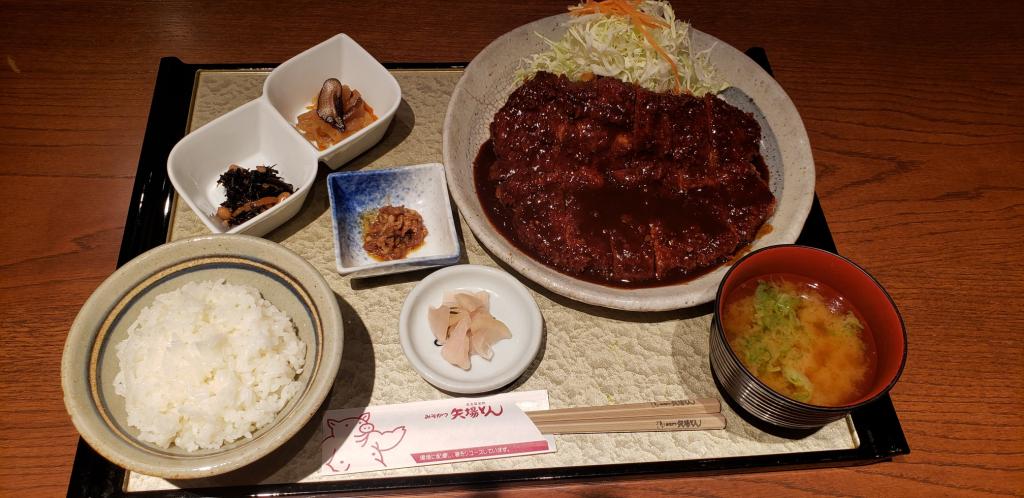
x,y
364,446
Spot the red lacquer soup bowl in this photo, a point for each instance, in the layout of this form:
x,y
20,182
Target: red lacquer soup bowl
x,y
858,289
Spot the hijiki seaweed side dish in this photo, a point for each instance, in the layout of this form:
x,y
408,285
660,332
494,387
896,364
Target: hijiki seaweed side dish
x,y
250,192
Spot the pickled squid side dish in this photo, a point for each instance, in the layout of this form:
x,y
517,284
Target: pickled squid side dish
x,y
337,112
463,326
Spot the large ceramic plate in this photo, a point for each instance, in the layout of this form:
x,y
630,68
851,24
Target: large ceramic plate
x,y
486,84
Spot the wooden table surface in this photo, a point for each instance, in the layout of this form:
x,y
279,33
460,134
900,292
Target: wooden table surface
x,y
915,112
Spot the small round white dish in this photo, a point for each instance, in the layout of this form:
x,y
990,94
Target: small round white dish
x,y
511,303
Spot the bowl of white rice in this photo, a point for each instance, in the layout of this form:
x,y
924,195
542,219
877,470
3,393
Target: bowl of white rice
x,y
201,356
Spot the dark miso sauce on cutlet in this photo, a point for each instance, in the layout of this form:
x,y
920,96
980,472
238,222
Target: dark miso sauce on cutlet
x,y
619,186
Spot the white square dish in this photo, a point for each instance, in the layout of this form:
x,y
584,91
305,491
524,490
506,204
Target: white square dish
x,y
295,84
249,136
421,188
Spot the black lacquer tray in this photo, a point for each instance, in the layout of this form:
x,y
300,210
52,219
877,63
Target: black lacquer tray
x,y
147,225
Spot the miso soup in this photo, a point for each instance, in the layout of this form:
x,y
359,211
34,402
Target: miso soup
x,y
801,338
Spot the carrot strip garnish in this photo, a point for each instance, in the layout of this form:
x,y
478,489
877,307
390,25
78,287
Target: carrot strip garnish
x,y
630,9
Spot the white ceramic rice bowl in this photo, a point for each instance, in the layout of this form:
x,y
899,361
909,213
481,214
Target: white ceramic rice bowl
x,y
90,363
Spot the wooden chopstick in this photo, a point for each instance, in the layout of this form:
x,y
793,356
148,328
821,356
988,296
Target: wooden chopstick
x,y
707,421
659,409
696,414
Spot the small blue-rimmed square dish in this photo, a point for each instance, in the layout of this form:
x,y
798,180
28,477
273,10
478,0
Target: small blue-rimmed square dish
x,y
422,188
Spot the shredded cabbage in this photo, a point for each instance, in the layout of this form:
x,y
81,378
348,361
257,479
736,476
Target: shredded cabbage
x,y
610,45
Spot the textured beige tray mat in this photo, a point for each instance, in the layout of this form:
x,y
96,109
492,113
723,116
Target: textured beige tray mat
x,y
591,356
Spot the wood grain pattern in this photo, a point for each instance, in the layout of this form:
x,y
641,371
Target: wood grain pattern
x,y
914,111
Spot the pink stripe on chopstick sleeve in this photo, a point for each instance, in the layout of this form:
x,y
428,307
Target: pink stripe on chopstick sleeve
x,y
480,452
